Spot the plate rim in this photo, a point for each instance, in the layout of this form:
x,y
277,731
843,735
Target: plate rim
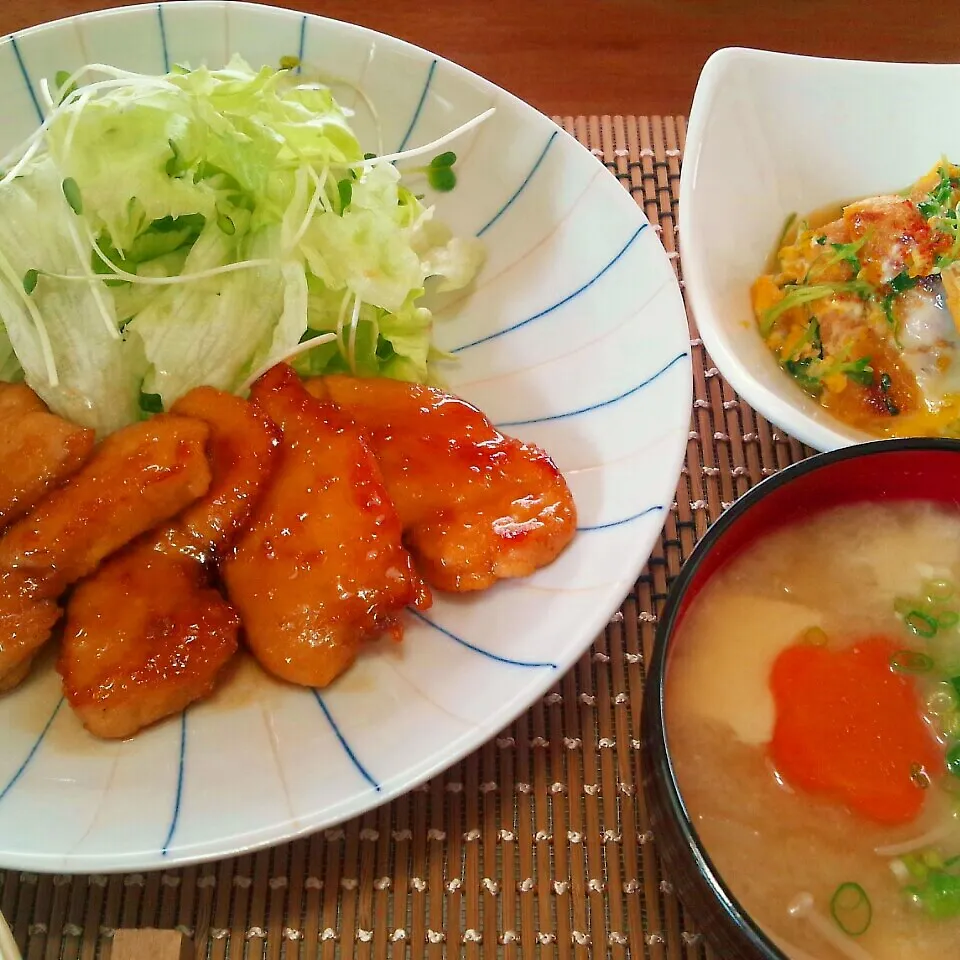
x,y
475,736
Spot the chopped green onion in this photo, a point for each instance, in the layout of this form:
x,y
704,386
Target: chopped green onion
x,y
814,635
953,759
885,382
948,619
905,605
72,193
851,909
151,402
345,192
921,624
915,865
938,589
943,698
939,894
932,859
951,724
910,661
30,279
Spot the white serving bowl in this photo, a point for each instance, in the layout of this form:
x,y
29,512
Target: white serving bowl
x,y
771,134
574,337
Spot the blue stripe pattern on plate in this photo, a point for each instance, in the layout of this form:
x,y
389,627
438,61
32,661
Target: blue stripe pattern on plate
x,y
621,522
27,82
602,403
343,742
546,664
33,751
163,39
175,819
301,50
416,113
520,189
556,306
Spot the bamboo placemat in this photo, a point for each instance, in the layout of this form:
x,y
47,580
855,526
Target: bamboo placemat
x,y
537,845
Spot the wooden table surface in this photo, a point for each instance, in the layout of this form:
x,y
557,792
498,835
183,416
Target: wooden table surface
x,y
614,56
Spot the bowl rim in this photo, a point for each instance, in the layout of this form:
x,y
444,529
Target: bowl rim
x,y
660,781
830,434
821,437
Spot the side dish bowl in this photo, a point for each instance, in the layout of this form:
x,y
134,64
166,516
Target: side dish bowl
x,y
926,470
773,134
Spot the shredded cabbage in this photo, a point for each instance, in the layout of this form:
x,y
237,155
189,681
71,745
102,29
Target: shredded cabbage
x,y
158,233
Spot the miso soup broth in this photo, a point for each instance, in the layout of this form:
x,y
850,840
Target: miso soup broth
x,y
813,719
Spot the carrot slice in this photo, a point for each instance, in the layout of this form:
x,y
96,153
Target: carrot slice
x,y
850,729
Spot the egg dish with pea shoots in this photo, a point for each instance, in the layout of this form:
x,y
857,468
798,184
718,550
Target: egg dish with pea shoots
x,y
861,306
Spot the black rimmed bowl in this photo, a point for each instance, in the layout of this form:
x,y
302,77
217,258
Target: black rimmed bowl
x,y
883,470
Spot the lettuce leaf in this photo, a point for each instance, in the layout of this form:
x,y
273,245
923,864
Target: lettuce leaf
x,y
193,228
99,375
206,331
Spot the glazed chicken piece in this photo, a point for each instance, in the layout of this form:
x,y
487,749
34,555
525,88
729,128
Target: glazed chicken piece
x,y
244,451
25,625
18,400
476,506
38,450
322,567
137,478
144,637
147,634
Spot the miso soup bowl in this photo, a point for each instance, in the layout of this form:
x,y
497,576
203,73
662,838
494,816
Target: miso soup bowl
x,y
772,134
910,469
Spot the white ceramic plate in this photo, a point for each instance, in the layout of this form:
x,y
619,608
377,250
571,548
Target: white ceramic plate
x,y
575,339
771,134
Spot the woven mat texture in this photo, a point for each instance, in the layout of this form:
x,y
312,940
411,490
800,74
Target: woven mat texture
x,y
538,844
